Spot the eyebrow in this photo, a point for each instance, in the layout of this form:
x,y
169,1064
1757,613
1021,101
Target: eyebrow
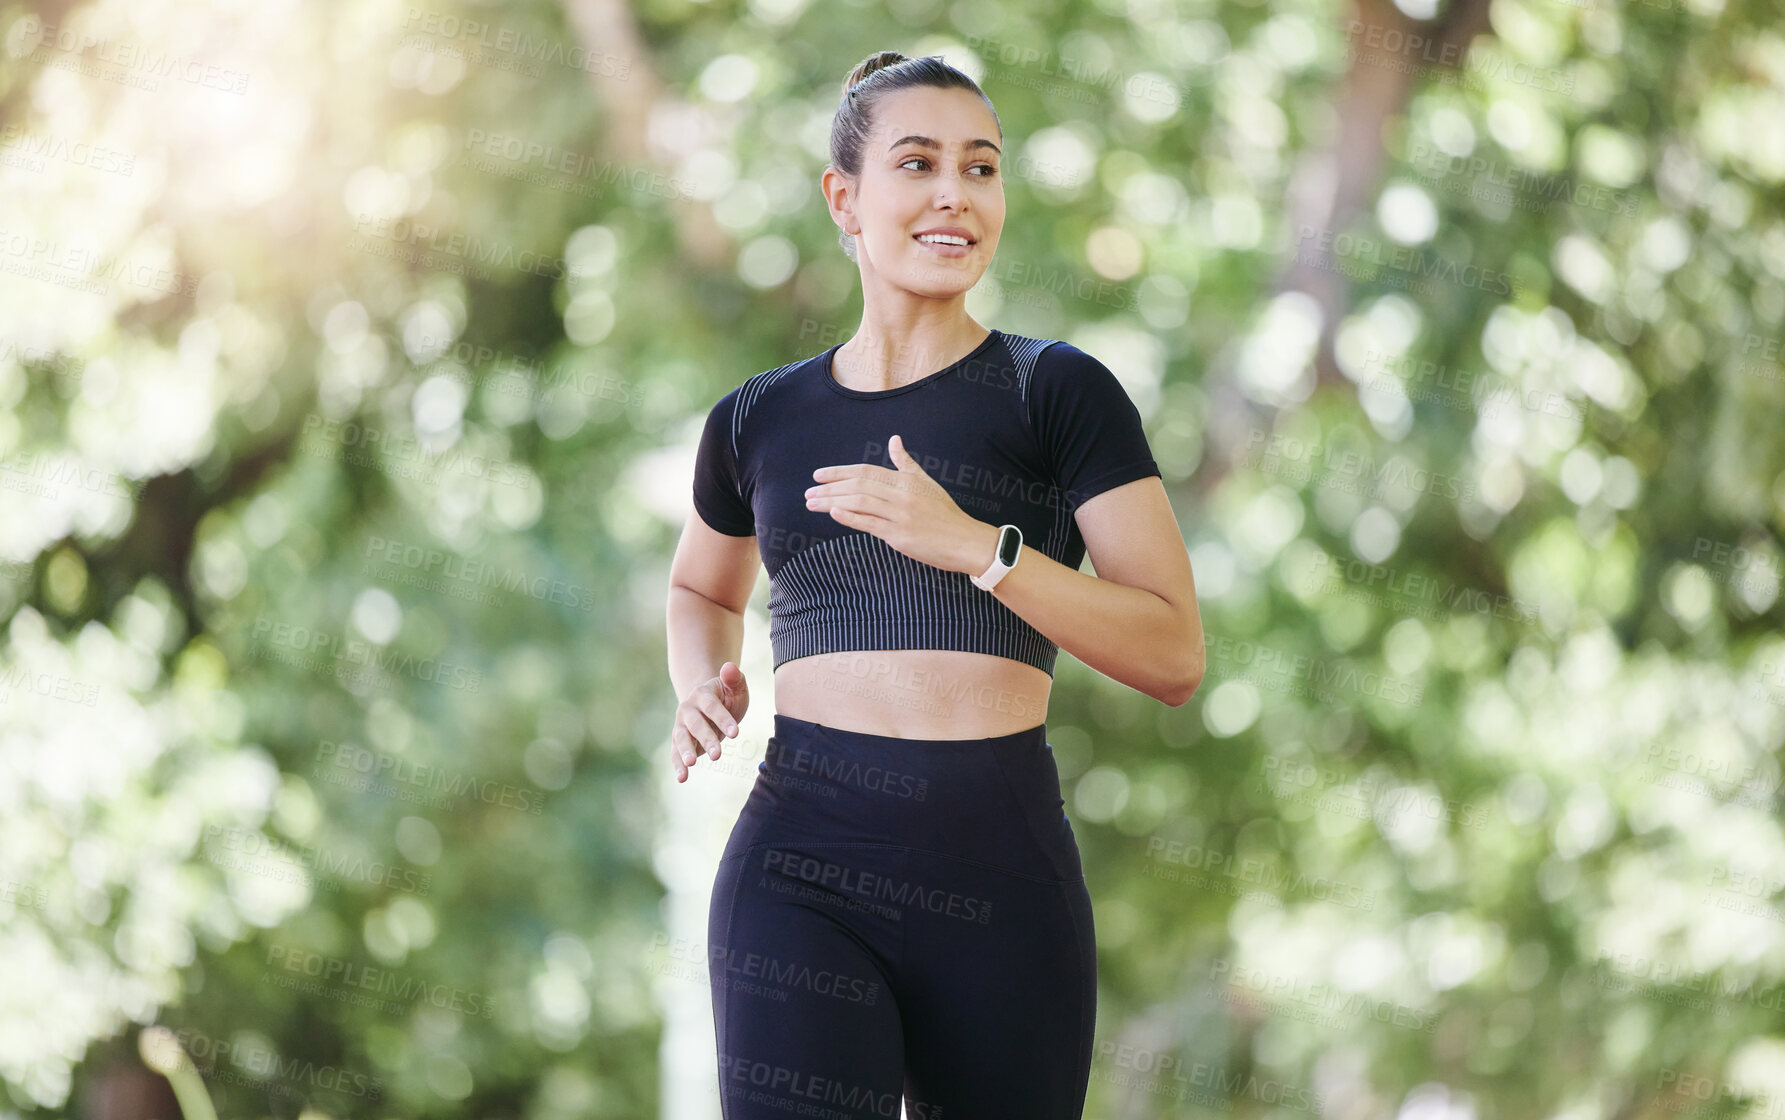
x,y
926,142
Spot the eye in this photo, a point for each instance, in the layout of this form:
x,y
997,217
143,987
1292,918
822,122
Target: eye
x,y
988,170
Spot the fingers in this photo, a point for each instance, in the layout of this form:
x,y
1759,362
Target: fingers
x,y
843,480
843,470
716,711
702,737
678,755
853,512
731,681
681,750
863,483
704,719
689,741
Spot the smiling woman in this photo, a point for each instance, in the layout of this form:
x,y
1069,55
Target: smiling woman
x,y
922,497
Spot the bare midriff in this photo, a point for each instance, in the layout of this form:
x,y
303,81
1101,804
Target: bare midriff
x,y
914,693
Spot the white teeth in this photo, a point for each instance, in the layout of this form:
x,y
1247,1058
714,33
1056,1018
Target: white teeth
x,y
942,239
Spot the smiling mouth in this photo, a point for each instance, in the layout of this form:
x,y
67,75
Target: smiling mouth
x,y
934,239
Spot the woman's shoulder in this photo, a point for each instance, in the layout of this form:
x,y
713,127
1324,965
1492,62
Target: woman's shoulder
x,y
1045,362
740,400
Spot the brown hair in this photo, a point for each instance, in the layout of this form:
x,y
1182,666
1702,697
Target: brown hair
x,y
873,78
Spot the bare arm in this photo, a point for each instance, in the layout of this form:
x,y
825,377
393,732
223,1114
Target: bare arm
x,y
710,581
1136,620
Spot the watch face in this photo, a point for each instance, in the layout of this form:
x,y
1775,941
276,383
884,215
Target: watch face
x,y
1009,542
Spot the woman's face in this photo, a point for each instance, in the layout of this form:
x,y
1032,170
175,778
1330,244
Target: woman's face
x,y
931,163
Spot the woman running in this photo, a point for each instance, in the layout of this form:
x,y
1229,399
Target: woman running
x,y
900,916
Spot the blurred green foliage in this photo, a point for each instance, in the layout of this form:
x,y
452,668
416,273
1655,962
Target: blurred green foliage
x,y
351,356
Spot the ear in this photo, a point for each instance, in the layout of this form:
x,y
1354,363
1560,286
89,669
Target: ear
x,y
839,196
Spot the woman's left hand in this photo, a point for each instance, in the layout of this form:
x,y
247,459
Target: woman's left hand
x,y
907,509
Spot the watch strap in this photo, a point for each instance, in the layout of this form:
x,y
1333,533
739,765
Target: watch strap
x,y
989,578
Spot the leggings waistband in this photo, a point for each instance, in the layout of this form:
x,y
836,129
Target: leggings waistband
x,y
790,727
994,800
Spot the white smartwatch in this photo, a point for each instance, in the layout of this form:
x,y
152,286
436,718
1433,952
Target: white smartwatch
x,y
1010,546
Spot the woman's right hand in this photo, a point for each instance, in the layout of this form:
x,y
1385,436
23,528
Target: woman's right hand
x,y
706,715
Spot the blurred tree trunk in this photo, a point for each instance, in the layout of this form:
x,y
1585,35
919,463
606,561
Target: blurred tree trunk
x,y
608,27
1331,187
120,1088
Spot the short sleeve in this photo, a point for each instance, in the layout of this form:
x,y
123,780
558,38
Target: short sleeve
x,y
718,489
1089,429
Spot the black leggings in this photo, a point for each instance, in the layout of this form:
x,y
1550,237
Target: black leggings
x,y
902,919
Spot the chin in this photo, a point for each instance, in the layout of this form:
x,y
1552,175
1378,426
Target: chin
x,y
926,286
929,278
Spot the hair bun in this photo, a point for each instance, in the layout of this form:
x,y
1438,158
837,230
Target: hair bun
x,y
870,65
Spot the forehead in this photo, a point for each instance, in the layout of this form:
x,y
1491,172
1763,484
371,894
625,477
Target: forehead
x,y
951,116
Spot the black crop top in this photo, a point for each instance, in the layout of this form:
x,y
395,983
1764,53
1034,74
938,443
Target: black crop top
x,y
1022,430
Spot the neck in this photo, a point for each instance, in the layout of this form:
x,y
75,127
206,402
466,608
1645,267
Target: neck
x,y
903,337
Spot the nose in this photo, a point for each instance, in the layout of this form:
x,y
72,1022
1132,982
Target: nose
x,y
948,191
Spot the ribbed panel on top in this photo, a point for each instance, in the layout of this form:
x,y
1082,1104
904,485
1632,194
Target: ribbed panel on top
x,y
858,592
